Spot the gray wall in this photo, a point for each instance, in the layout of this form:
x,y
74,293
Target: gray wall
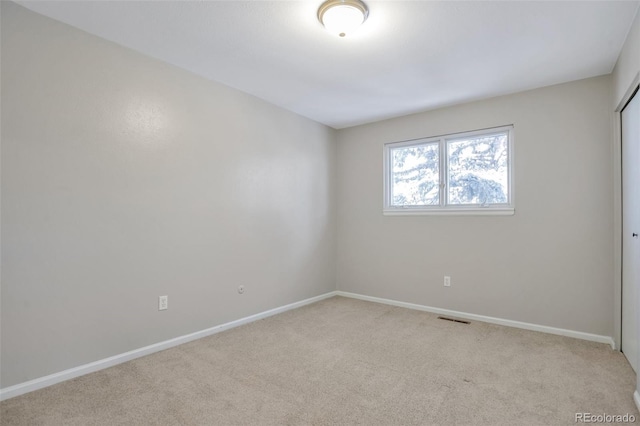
x,y
628,64
549,264
124,178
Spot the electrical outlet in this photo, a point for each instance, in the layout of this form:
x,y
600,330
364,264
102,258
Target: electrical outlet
x,y
447,281
163,303
240,289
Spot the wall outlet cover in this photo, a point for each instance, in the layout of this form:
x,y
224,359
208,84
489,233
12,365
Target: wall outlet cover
x,y
163,303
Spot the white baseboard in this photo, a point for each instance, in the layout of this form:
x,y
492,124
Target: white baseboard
x,y
52,379
636,399
509,323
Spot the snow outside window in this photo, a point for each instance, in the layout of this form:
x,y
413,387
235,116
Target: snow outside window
x,y
463,173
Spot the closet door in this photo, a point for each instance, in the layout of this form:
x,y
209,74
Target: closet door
x,y
630,121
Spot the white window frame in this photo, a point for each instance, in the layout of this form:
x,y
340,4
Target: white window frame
x,y
444,208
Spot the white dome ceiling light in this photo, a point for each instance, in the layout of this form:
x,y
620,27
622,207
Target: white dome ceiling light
x,y
342,17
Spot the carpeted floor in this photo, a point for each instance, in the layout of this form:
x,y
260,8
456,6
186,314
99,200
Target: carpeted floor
x,y
343,361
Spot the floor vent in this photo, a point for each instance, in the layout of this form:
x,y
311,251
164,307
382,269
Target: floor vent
x,y
454,320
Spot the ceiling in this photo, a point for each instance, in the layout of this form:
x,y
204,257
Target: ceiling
x,y
409,56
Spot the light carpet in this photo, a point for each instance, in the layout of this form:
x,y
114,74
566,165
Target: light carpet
x,y
344,362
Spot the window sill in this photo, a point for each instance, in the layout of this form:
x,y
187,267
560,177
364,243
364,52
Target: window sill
x,y
488,211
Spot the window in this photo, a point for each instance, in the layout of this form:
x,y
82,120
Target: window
x,y
463,173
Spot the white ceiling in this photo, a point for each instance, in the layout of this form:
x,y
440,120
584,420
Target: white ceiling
x,y
409,56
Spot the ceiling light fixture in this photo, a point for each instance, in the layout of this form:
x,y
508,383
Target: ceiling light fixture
x,y
342,17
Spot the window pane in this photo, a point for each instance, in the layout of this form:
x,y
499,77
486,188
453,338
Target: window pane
x,y
478,170
415,176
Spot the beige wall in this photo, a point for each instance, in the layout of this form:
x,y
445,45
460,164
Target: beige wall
x,y
123,179
549,264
